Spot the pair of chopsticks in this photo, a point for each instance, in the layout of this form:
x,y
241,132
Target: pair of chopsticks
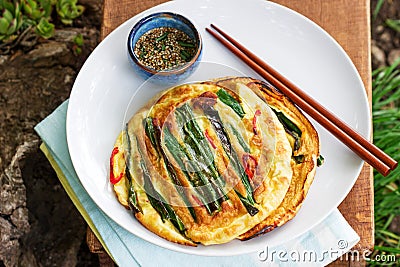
x,y
358,144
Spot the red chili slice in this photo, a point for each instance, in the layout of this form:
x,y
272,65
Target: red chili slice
x,y
250,165
114,179
210,140
258,113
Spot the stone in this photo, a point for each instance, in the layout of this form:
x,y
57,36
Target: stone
x,y
378,56
395,225
385,41
14,221
13,193
4,58
47,54
393,56
9,245
66,35
19,219
379,29
11,197
385,37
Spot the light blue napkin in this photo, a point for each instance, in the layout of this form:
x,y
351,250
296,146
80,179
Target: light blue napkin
x,y
323,244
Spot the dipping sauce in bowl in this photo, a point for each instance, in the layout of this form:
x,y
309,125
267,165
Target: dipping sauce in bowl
x,y
164,46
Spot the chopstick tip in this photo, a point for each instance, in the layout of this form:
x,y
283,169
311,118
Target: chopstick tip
x,y
386,173
394,166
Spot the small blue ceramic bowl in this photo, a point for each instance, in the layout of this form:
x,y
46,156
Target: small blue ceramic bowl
x,y
164,19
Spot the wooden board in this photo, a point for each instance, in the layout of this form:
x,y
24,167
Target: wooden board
x,y
348,21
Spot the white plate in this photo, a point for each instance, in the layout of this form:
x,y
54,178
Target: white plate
x,y
291,43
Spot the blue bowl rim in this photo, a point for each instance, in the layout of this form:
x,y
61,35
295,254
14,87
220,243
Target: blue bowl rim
x,y
179,70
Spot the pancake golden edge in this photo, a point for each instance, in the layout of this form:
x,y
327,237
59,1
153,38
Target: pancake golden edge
x,y
232,221
303,173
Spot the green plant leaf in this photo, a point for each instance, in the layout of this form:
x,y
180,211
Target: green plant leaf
x,y
78,40
8,15
4,23
394,24
386,125
12,28
35,10
377,8
68,10
44,28
27,8
47,7
8,5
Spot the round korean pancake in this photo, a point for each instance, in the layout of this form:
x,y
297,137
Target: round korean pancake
x,y
305,146
203,163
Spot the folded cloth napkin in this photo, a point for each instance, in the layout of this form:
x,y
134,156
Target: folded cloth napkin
x,y
318,247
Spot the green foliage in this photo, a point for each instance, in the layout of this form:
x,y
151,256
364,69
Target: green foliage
x,y
37,13
10,20
68,10
78,43
394,24
78,40
36,10
386,87
386,123
377,8
391,23
44,28
18,15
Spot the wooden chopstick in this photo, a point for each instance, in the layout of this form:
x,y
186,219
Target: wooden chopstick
x,y
357,143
